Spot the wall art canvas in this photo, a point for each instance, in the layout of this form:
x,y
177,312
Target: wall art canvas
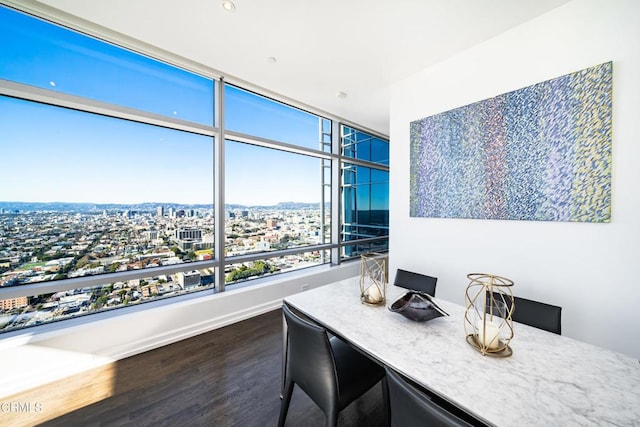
x,y
538,153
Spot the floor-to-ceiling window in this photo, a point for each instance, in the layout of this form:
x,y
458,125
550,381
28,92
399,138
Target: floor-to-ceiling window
x,y
107,175
109,193
277,196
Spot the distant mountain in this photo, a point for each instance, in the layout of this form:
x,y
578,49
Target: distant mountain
x,y
280,205
296,205
140,207
53,206
92,207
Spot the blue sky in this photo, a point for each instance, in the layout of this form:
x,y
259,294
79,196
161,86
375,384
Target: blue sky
x,y
53,154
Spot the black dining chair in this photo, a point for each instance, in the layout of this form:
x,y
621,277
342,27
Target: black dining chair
x,y
331,372
416,281
411,406
537,314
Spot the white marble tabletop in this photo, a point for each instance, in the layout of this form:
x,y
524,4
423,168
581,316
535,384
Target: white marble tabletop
x,y
550,380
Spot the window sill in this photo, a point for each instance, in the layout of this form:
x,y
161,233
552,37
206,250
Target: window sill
x,y
45,354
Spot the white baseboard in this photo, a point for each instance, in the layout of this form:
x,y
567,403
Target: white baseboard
x,y
180,333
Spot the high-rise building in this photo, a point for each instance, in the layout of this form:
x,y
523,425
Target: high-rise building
x,y
190,239
189,279
188,234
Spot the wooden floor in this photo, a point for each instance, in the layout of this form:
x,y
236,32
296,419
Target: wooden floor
x,y
227,377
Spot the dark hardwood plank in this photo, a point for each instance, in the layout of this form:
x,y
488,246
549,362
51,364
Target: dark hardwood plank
x,y
227,377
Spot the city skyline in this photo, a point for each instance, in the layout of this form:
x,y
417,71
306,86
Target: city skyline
x,y
150,206
75,243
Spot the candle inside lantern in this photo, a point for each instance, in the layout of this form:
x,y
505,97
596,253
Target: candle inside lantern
x,y
489,335
487,319
373,294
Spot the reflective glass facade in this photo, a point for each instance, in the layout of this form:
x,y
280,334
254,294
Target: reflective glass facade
x,y
365,192
364,146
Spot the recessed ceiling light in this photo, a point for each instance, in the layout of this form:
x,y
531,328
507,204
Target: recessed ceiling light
x,y
271,60
341,95
228,6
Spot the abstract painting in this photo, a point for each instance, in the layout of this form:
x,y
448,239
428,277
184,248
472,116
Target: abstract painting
x,y
538,153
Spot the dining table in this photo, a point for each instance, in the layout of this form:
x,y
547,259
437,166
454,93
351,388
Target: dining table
x,y
548,380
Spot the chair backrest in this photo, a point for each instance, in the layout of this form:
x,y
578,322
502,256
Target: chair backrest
x,y
416,281
537,314
310,361
411,407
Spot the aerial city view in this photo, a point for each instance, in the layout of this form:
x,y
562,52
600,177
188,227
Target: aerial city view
x,y
74,216
43,242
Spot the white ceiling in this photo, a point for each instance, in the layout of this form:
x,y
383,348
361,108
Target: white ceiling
x,y
322,47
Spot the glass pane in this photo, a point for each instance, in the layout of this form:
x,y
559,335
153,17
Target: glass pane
x,y
326,131
365,202
355,250
273,199
380,151
363,146
363,175
83,194
326,206
41,54
35,310
380,204
241,272
256,115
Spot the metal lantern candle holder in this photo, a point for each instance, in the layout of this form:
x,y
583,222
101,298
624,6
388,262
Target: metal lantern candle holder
x,y
373,278
487,318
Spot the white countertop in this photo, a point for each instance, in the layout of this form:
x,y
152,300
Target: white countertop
x,y
550,380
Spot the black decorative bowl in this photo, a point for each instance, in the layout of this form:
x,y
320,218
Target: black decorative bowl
x,y
417,306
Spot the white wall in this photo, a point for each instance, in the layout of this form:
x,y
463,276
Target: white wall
x,y
591,270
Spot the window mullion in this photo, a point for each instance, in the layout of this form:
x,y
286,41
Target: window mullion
x,y
219,197
336,205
